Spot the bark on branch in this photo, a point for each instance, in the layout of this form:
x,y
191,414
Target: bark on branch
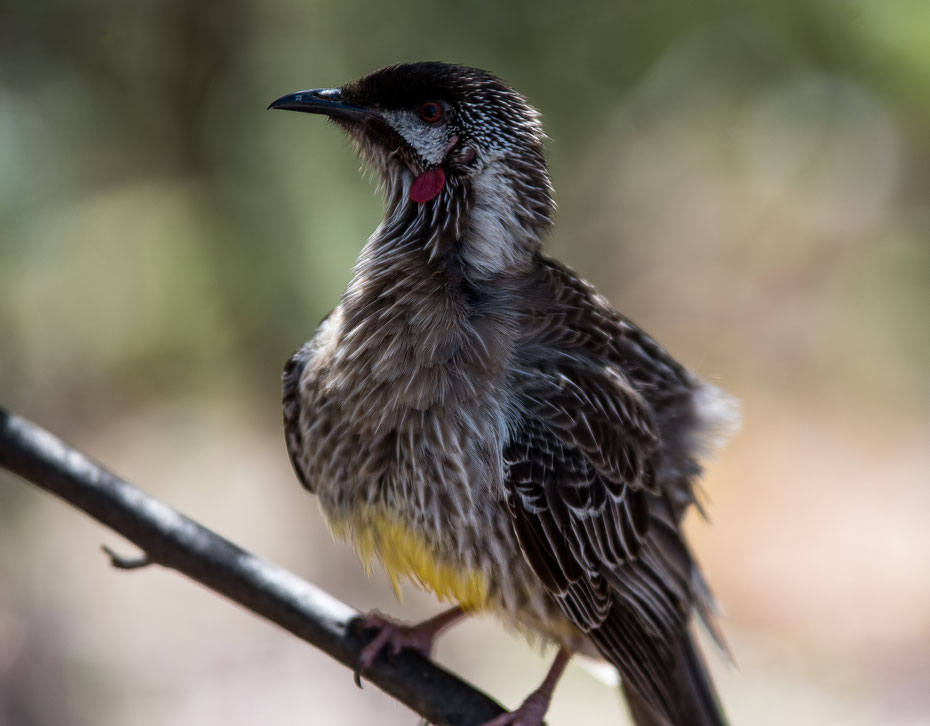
x,y
170,539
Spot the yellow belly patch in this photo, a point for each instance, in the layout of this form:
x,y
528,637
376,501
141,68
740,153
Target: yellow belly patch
x,y
407,555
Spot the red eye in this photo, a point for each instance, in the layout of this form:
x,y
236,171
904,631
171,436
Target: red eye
x,y
432,112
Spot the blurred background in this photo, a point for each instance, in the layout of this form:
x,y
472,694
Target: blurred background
x,y
747,180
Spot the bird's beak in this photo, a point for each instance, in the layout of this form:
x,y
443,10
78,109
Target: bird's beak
x,y
327,101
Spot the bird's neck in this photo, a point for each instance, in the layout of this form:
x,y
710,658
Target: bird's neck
x,y
432,291
493,226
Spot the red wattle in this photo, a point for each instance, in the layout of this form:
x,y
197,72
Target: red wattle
x,y
428,185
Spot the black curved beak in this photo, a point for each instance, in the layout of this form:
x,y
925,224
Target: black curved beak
x,y
326,101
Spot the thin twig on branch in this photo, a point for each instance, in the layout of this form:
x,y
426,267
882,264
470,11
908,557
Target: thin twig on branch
x,y
170,539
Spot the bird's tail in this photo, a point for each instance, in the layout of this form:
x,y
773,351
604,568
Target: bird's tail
x,y
695,703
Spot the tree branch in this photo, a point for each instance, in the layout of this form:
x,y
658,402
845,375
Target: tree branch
x,y
170,539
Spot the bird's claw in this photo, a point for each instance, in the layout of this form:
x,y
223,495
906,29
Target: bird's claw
x,y
390,635
530,713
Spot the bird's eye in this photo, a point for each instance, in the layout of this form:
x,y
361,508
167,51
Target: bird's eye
x,y
432,112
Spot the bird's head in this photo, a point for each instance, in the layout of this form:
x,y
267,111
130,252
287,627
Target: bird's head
x,y
434,130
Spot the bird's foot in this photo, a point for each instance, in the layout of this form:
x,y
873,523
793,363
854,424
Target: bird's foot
x,y
395,637
530,713
533,710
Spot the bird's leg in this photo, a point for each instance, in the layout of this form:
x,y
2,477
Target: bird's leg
x,y
533,709
398,637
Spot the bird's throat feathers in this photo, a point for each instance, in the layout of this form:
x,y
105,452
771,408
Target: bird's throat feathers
x,y
432,291
492,221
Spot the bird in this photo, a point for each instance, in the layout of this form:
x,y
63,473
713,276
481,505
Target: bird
x,y
478,418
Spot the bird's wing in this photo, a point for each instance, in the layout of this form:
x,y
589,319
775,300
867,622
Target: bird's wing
x,y
293,438
291,402
582,503
571,318
577,476
572,315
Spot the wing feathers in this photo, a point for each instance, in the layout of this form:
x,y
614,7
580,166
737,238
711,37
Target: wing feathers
x,y
592,523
